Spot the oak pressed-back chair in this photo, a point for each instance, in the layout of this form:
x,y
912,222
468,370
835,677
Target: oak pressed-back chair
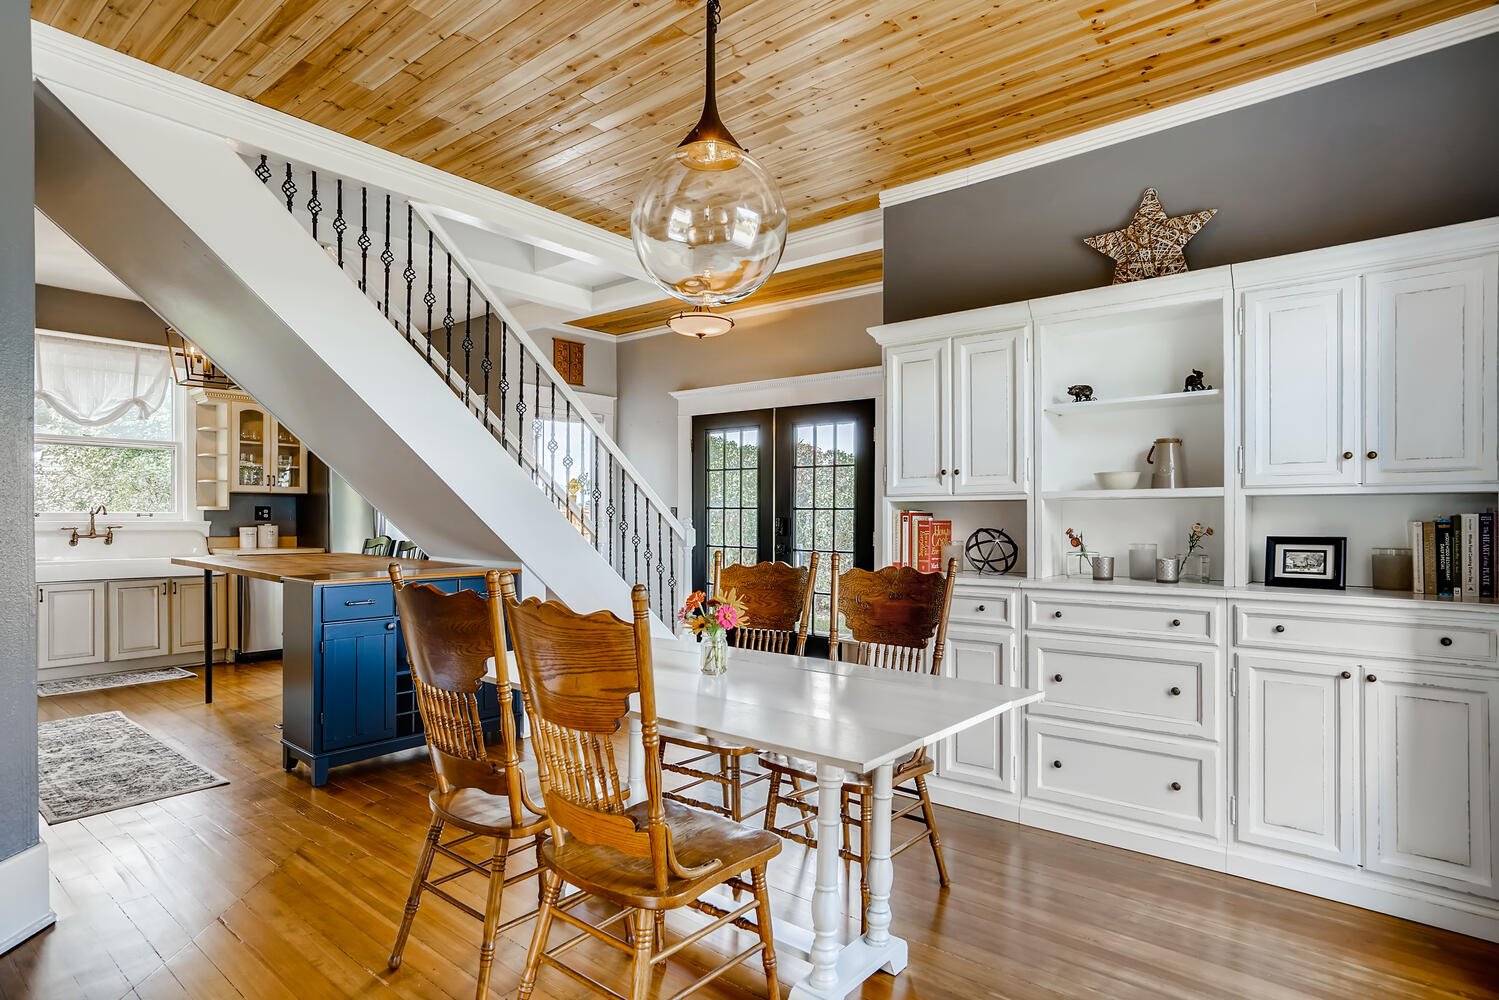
x,y
449,639
778,608
578,674
897,620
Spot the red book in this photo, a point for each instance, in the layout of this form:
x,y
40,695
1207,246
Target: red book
x,y
932,536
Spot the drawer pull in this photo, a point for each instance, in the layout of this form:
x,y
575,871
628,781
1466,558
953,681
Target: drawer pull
x,y
1176,692
1347,675
1056,763
1280,628
979,608
390,626
1446,640
1176,786
1056,614
1176,623
1371,678
358,604
1056,678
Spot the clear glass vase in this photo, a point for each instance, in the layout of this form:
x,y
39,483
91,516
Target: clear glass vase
x,y
714,652
1198,568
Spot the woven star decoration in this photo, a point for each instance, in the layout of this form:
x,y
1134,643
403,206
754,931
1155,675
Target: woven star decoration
x,y
1153,243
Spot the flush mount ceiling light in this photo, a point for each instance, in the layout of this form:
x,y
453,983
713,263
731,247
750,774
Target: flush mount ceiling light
x,y
700,323
192,368
709,224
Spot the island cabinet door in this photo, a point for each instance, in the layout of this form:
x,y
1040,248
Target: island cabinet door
x,y
358,683
988,436
1297,752
981,755
1429,777
916,397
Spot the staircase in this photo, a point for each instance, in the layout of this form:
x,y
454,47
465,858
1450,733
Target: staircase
x,y
349,313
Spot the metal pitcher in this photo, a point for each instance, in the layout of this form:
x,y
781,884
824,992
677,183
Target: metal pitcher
x,y
1169,462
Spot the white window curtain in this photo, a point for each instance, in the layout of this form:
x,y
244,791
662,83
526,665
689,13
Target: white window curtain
x,y
94,383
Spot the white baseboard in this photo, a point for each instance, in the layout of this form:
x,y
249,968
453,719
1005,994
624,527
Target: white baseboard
x,y
1200,852
997,805
25,904
188,660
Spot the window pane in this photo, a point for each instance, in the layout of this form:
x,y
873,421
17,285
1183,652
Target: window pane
x,y
802,539
844,494
845,443
715,527
731,489
156,427
822,488
803,488
750,494
825,444
76,477
715,489
715,450
823,534
843,531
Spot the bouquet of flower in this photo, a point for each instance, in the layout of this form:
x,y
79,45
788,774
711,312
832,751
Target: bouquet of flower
x,y
713,615
1195,537
1075,539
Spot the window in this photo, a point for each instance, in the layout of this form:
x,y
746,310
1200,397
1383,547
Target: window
x,y
106,429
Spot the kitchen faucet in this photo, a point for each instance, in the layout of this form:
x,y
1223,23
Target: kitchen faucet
x,y
93,531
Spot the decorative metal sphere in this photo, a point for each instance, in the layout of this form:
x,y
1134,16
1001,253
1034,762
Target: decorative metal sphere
x,y
709,224
992,550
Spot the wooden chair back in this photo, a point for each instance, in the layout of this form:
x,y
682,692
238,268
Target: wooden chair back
x,y
449,639
777,601
895,615
578,673
380,545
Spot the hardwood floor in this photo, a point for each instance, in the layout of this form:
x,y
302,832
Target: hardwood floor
x,y
267,887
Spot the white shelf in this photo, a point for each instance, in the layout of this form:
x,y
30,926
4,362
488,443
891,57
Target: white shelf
x,y
1156,401
1193,492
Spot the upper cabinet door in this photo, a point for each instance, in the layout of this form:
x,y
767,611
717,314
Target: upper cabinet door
x,y
988,452
252,432
1431,383
1301,386
916,397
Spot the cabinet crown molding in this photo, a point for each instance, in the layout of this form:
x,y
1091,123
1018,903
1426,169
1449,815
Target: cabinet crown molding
x,y
987,319
1403,250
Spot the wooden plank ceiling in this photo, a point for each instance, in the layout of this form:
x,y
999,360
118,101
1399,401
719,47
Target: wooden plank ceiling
x,y
568,102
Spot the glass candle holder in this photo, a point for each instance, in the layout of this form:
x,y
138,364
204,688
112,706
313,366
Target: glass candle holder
x,y
1142,561
1168,569
1103,567
1392,569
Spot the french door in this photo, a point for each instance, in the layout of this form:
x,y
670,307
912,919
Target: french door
x,y
783,483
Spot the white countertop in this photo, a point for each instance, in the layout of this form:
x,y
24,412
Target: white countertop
x,y
70,570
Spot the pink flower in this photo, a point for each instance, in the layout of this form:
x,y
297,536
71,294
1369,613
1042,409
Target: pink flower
x,y
727,616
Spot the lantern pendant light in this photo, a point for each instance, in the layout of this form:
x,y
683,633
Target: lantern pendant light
x,y
709,224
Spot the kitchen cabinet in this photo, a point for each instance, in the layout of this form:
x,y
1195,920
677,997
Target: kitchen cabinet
x,y
186,599
139,619
988,376
70,624
916,394
268,457
984,755
358,682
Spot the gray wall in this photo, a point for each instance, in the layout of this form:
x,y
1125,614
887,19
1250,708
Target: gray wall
x,y
18,806
1409,146
71,311
599,371
828,337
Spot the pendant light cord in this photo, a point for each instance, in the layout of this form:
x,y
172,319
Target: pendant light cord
x,y
710,126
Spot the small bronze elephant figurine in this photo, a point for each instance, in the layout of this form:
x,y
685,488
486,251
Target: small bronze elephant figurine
x,y
1194,382
1080,393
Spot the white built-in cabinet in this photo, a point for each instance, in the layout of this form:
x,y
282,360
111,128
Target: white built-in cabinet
x,y
1378,377
956,407
70,624
982,756
138,619
186,613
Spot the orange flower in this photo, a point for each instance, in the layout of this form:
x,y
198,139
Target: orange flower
x,y
694,601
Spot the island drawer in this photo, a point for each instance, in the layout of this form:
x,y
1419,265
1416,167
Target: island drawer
x,y
1137,778
1161,688
345,602
1146,618
979,607
1350,633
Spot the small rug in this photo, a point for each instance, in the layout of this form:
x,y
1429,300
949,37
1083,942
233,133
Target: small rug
x,y
102,682
93,764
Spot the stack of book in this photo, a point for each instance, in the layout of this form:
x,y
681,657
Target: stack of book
x,y
919,540
1454,556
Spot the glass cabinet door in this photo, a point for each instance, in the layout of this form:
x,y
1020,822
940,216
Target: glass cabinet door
x,y
289,474
251,425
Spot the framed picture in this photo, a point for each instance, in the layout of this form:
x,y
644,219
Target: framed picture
x,y
1305,562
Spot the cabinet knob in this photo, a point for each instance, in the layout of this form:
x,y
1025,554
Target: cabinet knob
x,y
1176,623
1056,678
979,608
1371,678
1056,763
1347,675
390,626
957,471
1372,454
1176,692
1176,786
1347,455
1056,614
1446,640
941,473
1280,628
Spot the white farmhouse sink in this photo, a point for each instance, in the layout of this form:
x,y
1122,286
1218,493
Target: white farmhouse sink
x,y
138,551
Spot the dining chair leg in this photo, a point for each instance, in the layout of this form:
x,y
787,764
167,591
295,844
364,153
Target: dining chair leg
x,y
762,920
772,800
733,774
541,882
931,827
848,842
723,785
539,936
866,823
660,929
640,966
414,899
492,914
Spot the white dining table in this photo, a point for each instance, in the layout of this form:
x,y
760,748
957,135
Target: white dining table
x,y
847,720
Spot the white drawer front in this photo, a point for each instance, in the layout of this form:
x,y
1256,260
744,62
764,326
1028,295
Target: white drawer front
x,y
1353,633
1188,621
981,608
1137,778
1165,689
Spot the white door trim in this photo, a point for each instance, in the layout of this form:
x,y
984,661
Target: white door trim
x,y
25,906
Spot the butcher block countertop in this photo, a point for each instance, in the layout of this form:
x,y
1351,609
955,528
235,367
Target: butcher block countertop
x,y
326,567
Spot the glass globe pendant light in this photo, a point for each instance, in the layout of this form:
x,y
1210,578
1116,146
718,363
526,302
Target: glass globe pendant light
x,y
709,224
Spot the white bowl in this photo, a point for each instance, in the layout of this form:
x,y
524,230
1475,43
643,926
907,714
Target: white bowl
x,y
1117,480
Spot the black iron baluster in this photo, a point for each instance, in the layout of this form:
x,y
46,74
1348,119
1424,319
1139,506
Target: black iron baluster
x,y
364,240
610,536
504,381
486,366
409,274
635,528
597,493
520,404
340,224
552,448
661,555
447,319
536,420
468,337
430,299
263,170
567,459
671,580
289,188
314,206
387,258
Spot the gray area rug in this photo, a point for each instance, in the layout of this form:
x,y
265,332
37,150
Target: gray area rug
x,y
93,764
103,682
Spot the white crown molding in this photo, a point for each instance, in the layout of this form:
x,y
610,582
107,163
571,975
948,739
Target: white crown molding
x,y
691,401
835,295
845,237
1381,53
58,57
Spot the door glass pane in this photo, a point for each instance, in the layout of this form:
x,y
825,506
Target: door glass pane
x,y
823,504
733,497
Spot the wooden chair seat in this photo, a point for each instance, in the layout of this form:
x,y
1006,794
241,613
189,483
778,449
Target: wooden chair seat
x,y
700,837
482,811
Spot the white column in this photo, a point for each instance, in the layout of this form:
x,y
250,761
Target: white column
x,y
881,871
827,902
637,762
